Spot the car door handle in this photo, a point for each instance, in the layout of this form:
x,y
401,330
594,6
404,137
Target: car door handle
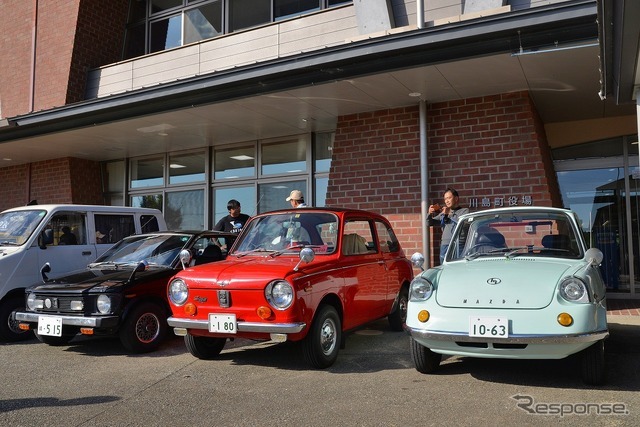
x,y
86,252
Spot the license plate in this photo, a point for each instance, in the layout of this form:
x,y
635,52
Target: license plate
x,y
49,325
491,327
223,323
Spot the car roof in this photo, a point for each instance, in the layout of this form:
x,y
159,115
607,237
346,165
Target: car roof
x,y
327,209
72,207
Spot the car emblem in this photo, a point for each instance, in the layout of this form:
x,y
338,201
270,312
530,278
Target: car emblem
x,y
223,298
200,299
493,281
223,283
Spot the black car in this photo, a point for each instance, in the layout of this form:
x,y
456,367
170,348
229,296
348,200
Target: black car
x,y
123,292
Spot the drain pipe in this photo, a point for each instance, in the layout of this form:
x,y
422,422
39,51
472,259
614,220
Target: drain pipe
x,y
34,37
420,13
424,185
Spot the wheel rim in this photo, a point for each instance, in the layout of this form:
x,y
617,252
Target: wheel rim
x,y
402,306
12,323
147,328
328,336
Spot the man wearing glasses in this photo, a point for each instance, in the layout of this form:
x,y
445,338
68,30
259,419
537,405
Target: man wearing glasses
x,y
232,222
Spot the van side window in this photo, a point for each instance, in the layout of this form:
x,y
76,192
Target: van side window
x,y
66,228
149,223
113,228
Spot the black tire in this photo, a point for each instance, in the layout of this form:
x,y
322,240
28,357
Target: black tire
x,y
398,318
55,341
593,364
320,346
205,348
425,360
144,328
9,331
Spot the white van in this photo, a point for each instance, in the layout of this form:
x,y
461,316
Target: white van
x,y
68,237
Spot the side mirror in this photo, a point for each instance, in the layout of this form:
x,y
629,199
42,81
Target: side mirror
x,y
594,256
46,268
185,258
306,255
417,259
142,266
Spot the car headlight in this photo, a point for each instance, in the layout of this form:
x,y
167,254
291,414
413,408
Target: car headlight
x,y
104,304
33,303
574,290
178,292
279,294
421,289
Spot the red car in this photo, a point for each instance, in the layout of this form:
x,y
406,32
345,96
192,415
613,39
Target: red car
x,y
307,275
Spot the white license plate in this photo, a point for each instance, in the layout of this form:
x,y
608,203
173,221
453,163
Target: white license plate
x,y
49,325
488,327
223,323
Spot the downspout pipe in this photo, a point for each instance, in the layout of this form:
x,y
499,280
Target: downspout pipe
x,y
424,184
420,13
34,38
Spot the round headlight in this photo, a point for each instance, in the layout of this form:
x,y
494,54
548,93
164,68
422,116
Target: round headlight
x,y
178,292
421,289
574,290
104,304
32,303
279,294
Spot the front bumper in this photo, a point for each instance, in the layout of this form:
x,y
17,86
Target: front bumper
x,y
80,321
250,327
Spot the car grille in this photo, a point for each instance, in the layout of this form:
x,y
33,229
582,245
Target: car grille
x,y
62,304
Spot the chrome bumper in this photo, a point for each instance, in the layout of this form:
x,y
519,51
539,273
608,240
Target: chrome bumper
x,y
267,328
512,339
81,321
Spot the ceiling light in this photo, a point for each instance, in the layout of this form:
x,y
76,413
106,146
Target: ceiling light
x,y
161,128
415,94
176,166
242,157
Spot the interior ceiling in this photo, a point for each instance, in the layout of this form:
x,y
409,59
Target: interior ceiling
x,y
563,84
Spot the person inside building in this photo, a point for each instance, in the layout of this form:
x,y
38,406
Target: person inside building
x,y
447,217
297,199
232,222
67,237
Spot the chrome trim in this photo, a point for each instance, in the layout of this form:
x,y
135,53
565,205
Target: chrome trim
x,y
512,339
267,328
82,321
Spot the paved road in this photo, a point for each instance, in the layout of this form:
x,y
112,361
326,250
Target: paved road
x,y
93,382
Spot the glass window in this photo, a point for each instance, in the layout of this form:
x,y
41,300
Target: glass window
x,y
68,228
184,210
357,238
234,162
321,191
273,195
248,13
135,41
165,34
149,223
245,194
203,22
113,228
285,157
185,168
288,8
147,201
322,151
158,6
388,240
147,172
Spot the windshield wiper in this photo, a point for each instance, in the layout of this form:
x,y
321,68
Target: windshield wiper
x,y
9,243
241,254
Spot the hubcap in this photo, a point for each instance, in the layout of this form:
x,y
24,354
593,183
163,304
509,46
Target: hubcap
x,y
328,336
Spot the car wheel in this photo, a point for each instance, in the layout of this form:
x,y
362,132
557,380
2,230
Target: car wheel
x,y
144,328
205,348
398,318
320,346
593,364
9,331
55,341
426,361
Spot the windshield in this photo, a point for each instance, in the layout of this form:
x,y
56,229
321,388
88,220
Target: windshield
x,y
288,233
160,250
538,234
16,227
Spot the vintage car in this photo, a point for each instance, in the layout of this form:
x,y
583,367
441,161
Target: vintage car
x,y
516,283
123,292
307,275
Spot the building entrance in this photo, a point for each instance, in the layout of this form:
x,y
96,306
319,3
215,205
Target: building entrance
x,y
605,193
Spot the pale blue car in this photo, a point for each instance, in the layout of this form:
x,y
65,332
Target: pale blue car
x,y
516,283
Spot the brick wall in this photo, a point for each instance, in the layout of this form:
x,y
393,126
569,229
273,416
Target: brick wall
x,y
487,148
66,180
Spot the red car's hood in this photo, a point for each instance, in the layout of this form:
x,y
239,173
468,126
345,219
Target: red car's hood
x,y
251,272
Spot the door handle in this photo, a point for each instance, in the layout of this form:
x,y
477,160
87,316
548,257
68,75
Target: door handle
x,y
86,252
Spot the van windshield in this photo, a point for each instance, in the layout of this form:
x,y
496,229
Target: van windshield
x,y
17,226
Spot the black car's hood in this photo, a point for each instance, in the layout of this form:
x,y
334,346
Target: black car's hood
x,y
98,280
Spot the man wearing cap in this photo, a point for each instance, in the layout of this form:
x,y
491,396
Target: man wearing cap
x,y
232,222
297,199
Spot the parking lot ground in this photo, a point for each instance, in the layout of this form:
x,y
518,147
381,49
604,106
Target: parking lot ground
x,y
94,382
